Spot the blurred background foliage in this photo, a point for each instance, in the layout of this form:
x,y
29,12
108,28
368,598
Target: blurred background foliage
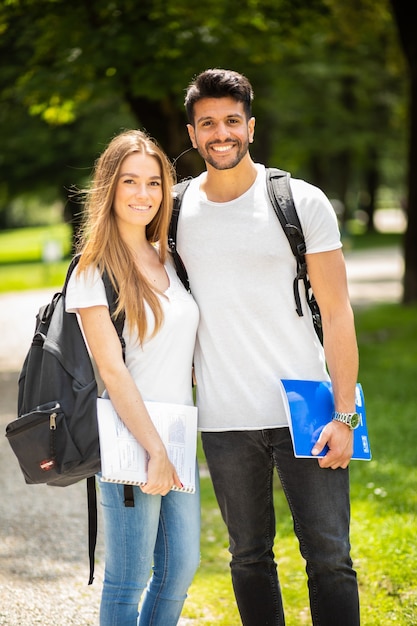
x,y
333,89
329,79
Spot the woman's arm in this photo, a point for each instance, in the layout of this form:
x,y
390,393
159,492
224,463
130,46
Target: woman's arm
x,y
105,347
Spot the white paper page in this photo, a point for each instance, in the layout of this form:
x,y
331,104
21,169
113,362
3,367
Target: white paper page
x,y
124,460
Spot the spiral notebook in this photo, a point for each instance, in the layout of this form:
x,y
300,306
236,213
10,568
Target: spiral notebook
x,y
310,406
124,460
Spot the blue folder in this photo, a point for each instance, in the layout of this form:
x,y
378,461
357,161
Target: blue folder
x,y
310,406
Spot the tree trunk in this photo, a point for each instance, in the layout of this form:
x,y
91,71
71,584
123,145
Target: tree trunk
x,y
404,15
410,248
167,124
371,185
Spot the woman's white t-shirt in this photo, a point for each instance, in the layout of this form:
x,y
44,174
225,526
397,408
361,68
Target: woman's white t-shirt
x,y
162,366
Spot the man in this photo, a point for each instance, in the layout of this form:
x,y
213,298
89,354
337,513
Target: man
x,y
241,272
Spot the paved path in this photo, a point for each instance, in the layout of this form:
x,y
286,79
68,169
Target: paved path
x,y
43,530
374,276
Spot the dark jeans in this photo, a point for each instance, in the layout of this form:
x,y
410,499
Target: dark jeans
x,y
241,466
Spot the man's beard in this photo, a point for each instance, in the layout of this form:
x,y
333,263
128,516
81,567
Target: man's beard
x,y
223,164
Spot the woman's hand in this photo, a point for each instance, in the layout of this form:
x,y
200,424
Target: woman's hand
x,y
162,475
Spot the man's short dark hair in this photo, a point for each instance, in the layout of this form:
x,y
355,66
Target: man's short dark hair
x,y
218,83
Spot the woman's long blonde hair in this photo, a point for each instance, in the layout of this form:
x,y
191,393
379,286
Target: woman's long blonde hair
x,y
100,243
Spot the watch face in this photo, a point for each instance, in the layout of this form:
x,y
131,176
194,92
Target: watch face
x,y
354,420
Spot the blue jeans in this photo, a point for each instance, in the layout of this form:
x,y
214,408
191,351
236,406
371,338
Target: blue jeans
x,y
161,533
241,465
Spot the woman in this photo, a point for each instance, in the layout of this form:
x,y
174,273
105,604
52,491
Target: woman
x,y
128,213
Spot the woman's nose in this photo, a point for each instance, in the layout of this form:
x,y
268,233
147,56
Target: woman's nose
x,y
141,191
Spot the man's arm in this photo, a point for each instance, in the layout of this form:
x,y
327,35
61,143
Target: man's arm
x,y
327,272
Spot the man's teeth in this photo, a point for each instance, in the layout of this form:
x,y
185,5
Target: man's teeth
x,y
222,148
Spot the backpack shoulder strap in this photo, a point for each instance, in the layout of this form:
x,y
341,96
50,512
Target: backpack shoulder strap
x,y
73,264
279,191
111,294
278,185
118,321
178,193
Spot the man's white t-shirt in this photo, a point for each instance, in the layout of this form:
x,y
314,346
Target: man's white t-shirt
x,y
162,366
241,271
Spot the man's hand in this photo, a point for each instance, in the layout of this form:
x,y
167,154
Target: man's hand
x,y
339,439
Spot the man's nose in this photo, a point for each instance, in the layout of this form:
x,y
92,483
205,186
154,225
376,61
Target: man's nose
x,y
221,132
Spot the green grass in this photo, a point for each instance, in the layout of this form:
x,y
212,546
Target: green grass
x,y
27,244
21,255
383,496
373,240
384,491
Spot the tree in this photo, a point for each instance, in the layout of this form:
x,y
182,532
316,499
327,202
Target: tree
x,y
404,16
44,160
68,54
321,71
344,87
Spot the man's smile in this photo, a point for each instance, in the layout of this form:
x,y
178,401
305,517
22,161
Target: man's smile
x,y
218,148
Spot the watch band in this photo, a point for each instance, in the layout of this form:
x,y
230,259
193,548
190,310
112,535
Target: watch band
x,y
350,419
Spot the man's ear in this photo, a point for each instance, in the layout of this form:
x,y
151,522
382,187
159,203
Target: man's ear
x,y
251,129
191,134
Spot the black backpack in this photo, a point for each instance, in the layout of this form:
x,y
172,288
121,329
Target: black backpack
x,y
278,185
55,436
